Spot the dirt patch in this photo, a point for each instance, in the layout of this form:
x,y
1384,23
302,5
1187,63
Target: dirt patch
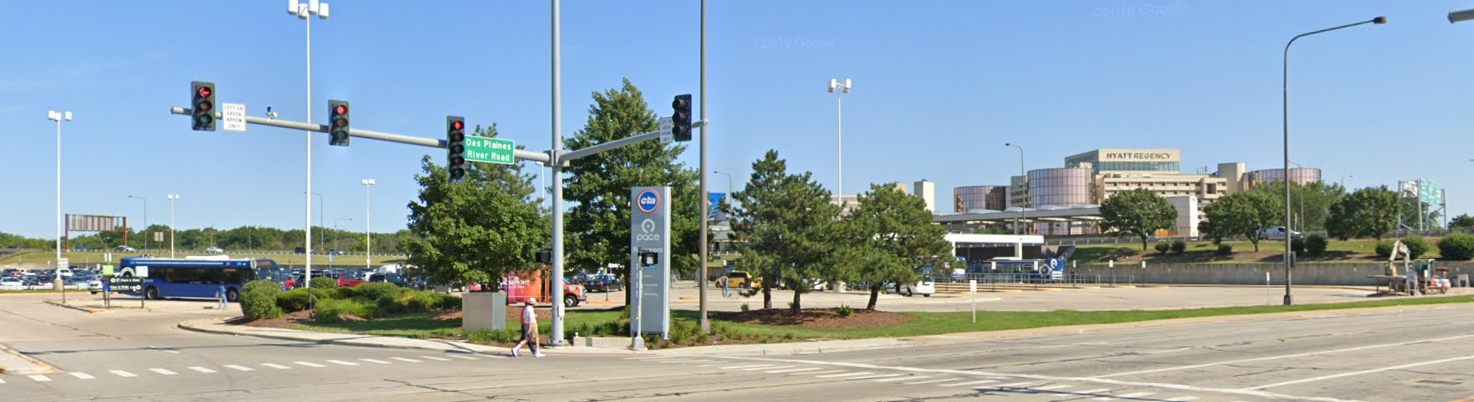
x,y
817,318
287,321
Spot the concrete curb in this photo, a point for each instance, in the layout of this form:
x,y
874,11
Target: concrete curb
x,y
27,365
82,309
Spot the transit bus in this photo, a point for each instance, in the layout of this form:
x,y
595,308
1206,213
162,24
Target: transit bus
x,y
168,278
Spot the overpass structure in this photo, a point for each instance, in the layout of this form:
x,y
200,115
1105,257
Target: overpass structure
x,y
974,220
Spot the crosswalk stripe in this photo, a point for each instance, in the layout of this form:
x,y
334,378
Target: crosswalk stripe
x,y
1024,384
959,384
690,361
930,381
40,378
436,358
766,368
374,361
342,362
201,369
121,373
462,356
405,360
1182,398
1093,391
2,380
647,358
793,370
1052,387
239,368
310,364
82,375
276,366
743,366
1124,396
843,375
875,376
819,372
914,377
163,371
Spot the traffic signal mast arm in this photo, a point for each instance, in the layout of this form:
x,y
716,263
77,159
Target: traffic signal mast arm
x,y
521,154
611,145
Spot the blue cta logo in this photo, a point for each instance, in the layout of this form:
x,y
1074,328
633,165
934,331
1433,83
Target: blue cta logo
x,y
648,201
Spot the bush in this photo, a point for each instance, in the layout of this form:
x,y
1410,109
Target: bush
x,y
296,299
1384,249
1179,247
323,282
1297,245
1456,246
745,308
1416,245
1163,247
258,300
376,290
844,311
1225,249
333,310
1316,245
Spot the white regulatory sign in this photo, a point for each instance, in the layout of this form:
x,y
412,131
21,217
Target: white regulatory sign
x,y
235,116
972,285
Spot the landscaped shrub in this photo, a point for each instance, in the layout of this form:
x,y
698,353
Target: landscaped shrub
x,y
411,301
1225,249
1297,245
845,311
375,290
1316,245
1416,245
296,299
1163,247
323,282
1383,249
1456,246
258,300
334,310
1179,247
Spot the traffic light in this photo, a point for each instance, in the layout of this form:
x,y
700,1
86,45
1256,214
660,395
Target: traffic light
x,y
338,123
202,95
681,117
455,148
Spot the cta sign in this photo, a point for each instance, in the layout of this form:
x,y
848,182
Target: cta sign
x,y
648,200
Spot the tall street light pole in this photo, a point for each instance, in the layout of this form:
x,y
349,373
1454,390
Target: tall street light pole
x,y
305,12
557,145
368,227
58,117
702,322
1285,89
145,220
172,199
844,88
1024,179
319,224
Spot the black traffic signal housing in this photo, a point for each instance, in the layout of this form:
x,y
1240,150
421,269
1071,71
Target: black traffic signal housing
x,y
455,148
682,117
544,256
202,105
338,123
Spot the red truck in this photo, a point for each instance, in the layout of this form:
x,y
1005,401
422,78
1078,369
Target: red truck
x,y
523,285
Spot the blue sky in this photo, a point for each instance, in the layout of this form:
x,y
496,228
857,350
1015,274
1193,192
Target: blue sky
x,y
940,86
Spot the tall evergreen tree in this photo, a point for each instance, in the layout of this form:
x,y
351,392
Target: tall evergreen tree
x,y
790,222
888,237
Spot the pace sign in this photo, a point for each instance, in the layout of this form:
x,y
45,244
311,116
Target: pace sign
x,y
650,233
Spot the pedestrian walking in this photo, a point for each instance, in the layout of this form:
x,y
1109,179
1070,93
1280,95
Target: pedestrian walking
x,y
722,283
529,330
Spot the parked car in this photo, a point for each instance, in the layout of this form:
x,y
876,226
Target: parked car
x,y
743,280
125,248
11,283
94,286
395,279
924,287
300,250
336,251
214,250
602,283
1277,233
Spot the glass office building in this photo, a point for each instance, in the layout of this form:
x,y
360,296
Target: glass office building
x,y
1129,160
1059,186
1301,176
969,198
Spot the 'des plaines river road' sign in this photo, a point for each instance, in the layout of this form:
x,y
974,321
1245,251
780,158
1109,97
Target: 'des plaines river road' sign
x,y
490,150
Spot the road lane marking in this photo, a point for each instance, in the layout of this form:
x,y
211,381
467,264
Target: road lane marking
x,y
405,360
1093,391
648,358
818,372
239,368
310,364
746,366
82,375
959,384
375,361
436,358
342,362
843,374
1323,352
276,366
875,376
1182,398
163,371
121,373
931,381
2,380
40,378
914,377
462,356
689,361
1378,370
793,370
1052,387
766,368
1124,396
1025,384
202,369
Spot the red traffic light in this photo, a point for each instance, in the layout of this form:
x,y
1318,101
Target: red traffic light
x,y
458,125
342,109
204,92
678,104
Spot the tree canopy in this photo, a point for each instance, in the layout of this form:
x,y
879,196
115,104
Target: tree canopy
x,y
1138,212
1241,214
791,229
1368,212
888,237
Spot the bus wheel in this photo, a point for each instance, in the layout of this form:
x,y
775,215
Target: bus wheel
x,y
230,295
151,293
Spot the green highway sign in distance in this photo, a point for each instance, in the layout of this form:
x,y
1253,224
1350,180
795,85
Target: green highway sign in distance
x,y
490,150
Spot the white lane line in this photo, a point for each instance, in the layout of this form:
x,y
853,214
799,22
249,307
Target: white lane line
x,y
2,380
462,356
746,366
405,360
766,368
1359,373
793,370
40,378
375,361
202,369
82,375
1124,396
959,384
239,368
914,377
1323,352
276,366
121,373
1182,398
875,376
342,362
931,381
1052,387
310,364
163,371
436,358
1093,391
818,372
648,358
692,361
843,374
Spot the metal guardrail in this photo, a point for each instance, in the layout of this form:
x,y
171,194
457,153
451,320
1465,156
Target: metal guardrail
x,y
1013,280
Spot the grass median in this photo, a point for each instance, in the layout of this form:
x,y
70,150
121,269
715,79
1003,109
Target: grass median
x,y
615,323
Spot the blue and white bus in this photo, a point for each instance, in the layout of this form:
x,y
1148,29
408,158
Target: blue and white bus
x,y
168,278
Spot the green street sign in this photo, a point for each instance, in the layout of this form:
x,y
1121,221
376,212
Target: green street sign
x,y
490,150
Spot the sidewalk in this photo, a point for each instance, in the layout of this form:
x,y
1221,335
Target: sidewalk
x,y
12,362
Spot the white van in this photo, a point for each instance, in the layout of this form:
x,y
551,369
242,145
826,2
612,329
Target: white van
x,y
63,273
924,287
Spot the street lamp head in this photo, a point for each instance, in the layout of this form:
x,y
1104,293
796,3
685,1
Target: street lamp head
x,y
1379,20
847,85
69,116
833,83
368,182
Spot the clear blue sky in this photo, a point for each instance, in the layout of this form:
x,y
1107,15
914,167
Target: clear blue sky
x,y
939,87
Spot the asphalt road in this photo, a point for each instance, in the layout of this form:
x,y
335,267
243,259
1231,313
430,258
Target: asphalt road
x,y
1390,354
